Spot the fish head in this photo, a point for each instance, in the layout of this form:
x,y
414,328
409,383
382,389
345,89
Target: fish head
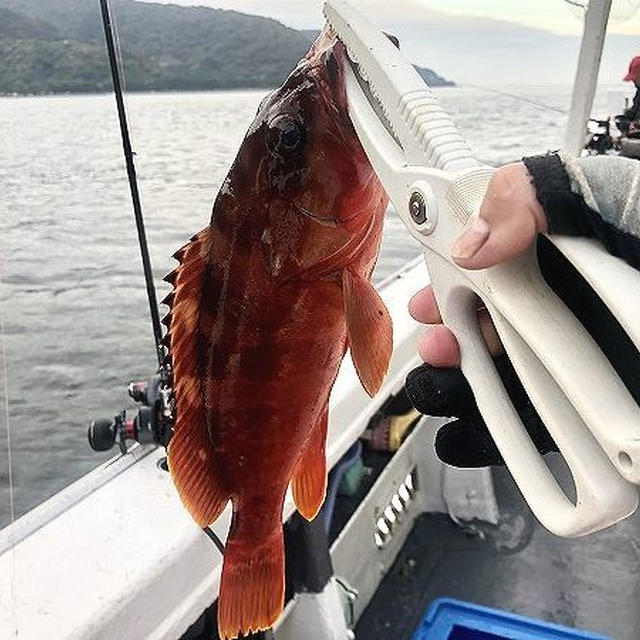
x,y
304,163
315,160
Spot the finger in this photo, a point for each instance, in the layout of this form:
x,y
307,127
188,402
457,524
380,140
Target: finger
x,y
424,308
508,238
439,348
473,238
509,218
467,443
441,392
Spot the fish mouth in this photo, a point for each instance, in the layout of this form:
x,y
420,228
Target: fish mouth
x,y
326,60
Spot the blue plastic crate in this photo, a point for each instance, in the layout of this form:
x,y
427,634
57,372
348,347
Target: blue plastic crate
x,y
448,619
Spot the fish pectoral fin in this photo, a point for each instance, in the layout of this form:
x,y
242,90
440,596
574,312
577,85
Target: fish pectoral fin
x,y
309,481
369,330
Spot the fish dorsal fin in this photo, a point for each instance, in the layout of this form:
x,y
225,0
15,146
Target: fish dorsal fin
x,y
190,453
309,481
369,330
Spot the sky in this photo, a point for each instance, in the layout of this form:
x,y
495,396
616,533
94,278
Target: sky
x,y
487,42
554,15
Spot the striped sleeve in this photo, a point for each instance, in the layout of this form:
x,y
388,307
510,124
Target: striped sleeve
x,y
594,197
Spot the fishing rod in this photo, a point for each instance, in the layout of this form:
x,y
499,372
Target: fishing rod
x,y
153,421
133,183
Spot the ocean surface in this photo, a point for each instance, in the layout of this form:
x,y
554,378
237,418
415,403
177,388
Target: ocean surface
x,y
72,297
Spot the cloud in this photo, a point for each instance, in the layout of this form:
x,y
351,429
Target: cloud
x,y
467,49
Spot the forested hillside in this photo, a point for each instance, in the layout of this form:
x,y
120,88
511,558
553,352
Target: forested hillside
x,y
52,46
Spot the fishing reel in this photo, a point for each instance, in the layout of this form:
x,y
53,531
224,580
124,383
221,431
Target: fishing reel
x,y
151,424
599,138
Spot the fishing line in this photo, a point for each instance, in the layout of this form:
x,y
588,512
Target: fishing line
x,y
118,50
576,3
12,511
131,175
520,98
213,536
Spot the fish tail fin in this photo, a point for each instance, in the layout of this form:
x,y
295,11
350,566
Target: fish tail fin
x,y
252,586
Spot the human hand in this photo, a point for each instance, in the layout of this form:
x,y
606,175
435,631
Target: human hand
x,y
439,388
509,220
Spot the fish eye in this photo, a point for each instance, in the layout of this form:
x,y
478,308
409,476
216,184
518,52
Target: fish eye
x,y
285,135
290,135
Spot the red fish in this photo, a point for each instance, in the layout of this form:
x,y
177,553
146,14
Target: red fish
x,y
266,300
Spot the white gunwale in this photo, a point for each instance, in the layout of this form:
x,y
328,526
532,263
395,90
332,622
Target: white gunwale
x,y
115,555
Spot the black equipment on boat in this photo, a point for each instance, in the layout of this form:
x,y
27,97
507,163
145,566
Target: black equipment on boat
x,y
601,142
150,425
599,139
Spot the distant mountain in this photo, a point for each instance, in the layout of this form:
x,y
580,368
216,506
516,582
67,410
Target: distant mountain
x,y
16,25
64,66
433,79
51,46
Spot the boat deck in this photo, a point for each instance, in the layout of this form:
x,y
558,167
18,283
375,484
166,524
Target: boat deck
x,y
589,583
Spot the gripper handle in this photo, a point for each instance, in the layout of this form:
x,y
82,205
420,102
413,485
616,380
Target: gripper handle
x,y
603,496
569,357
566,351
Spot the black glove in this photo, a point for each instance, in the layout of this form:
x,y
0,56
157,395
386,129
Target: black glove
x,y
466,442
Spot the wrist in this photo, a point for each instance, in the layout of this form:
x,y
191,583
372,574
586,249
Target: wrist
x,y
532,198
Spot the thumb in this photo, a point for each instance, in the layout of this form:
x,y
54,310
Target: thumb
x,y
484,244
509,219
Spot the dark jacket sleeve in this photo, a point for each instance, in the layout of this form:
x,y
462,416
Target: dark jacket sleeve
x,y
633,112
564,200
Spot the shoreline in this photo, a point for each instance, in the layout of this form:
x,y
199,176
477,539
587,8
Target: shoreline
x,y
165,91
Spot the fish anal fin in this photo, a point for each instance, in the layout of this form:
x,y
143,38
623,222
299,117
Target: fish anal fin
x,y
369,330
190,453
309,480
